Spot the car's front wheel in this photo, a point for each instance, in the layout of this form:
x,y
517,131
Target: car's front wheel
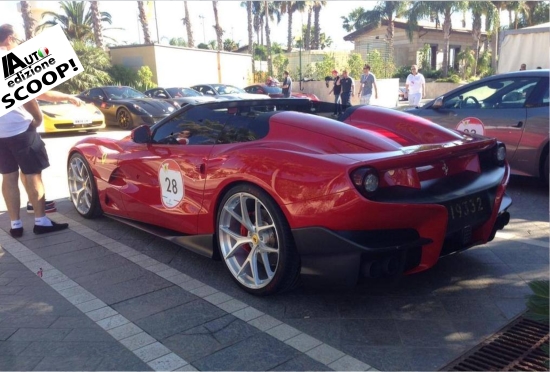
x,y
255,241
82,188
124,119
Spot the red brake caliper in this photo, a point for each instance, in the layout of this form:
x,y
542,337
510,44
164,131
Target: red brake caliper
x,y
244,231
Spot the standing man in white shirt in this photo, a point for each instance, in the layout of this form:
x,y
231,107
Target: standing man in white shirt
x,y
416,86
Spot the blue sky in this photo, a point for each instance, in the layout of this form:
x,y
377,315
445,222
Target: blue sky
x,y
169,14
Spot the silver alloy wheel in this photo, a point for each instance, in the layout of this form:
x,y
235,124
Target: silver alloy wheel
x,y
248,240
80,185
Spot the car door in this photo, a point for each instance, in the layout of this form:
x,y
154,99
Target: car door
x,y
99,98
494,108
166,178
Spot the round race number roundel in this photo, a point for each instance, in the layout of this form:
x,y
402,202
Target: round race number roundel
x,y
171,184
471,125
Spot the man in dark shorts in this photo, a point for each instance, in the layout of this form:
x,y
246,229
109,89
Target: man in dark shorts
x,y
287,85
21,148
348,89
336,89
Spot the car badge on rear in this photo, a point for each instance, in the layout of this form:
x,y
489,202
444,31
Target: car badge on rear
x,y
445,168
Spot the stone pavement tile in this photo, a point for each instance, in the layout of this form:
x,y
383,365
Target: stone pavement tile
x,y
179,319
522,254
264,322
60,249
102,313
124,331
26,281
29,321
192,346
478,308
137,341
369,331
301,363
48,240
151,352
428,333
168,362
39,334
100,264
153,302
204,291
5,281
283,332
13,347
88,334
248,313
473,332
419,307
303,342
228,329
91,305
13,273
9,290
81,255
511,307
70,363
364,307
321,306
122,360
71,322
232,305
67,349
218,298
18,363
5,333
348,363
259,352
132,288
325,354
112,276
112,322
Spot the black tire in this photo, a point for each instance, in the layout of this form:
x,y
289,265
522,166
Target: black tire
x,y
78,165
288,265
124,119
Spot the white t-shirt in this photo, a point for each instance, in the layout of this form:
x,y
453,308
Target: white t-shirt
x,y
16,121
415,83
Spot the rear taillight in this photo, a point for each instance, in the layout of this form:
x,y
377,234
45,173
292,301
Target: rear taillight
x,y
499,153
366,180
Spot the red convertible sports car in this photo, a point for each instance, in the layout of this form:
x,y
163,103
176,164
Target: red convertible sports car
x,y
275,191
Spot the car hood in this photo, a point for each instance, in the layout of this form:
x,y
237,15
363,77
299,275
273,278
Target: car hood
x,y
68,110
152,106
198,99
242,96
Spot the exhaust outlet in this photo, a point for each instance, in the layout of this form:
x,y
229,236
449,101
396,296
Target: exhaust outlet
x,y
391,266
371,269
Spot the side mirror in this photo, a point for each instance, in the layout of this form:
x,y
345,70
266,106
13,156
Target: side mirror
x,y
141,134
438,103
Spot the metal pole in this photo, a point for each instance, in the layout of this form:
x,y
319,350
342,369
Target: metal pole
x,y
156,21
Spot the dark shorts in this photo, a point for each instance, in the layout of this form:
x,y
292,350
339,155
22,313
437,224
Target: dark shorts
x,y
25,151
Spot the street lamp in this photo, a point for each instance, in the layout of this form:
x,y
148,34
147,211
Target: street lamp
x,y
203,33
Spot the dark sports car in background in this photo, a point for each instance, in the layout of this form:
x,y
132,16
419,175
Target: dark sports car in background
x,y
126,106
275,191
178,96
277,92
223,91
511,107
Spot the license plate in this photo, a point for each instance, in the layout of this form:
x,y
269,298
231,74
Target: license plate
x,y
82,121
468,211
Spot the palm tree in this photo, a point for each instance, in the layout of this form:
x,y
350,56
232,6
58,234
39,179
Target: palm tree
x,y
479,8
28,21
433,10
144,23
317,5
219,30
187,23
96,21
250,32
75,20
307,39
352,22
271,12
258,11
387,11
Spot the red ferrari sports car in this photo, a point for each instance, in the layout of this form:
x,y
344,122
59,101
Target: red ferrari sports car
x,y
275,191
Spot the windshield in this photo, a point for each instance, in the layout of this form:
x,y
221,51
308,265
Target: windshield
x,y
122,92
227,89
183,92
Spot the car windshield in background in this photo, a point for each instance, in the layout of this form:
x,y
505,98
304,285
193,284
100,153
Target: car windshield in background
x,y
273,90
228,89
182,92
122,93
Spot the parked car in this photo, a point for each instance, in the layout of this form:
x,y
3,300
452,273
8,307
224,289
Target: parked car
x,y
223,91
178,96
274,190
277,92
126,106
511,107
402,94
66,117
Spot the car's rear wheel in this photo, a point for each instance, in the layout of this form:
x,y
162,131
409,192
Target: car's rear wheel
x,y
255,241
546,170
82,188
124,119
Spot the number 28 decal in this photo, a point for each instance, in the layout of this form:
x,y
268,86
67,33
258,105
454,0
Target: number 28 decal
x,y
471,125
171,184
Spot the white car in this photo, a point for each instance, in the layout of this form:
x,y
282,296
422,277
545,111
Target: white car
x,y
223,91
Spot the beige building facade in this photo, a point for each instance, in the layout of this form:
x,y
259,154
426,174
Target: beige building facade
x,y
406,52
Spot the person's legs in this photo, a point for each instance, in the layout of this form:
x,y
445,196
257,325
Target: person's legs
x,y
414,99
365,100
35,190
338,100
10,191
